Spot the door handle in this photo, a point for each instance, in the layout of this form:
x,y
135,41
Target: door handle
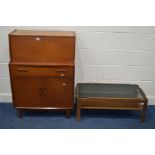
x,y
62,75
44,91
22,70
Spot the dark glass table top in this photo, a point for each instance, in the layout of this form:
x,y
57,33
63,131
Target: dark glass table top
x,y
98,90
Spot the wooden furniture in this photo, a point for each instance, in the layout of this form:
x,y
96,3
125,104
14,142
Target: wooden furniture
x,y
110,96
42,70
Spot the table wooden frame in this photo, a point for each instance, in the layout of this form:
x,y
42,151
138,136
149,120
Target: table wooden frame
x,y
113,104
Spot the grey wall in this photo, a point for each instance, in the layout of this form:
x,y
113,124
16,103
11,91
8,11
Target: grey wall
x,y
103,54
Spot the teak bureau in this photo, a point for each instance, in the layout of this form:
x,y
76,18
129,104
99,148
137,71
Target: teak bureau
x,y
42,70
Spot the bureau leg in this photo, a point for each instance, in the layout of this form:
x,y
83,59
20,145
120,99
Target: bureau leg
x,y
144,112
78,113
68,113
20,113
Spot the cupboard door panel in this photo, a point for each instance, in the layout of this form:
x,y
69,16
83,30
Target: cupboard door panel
x,y
59,93
27,92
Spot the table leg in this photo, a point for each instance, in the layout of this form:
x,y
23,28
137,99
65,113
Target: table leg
x,y
78,112
68,113
20,113
144,112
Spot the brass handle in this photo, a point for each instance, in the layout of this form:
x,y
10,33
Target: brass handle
x,y
61,71
62,75
64,84
37,38
22,70
44,91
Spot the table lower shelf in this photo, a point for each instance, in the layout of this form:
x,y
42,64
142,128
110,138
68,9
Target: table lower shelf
x,y
112,106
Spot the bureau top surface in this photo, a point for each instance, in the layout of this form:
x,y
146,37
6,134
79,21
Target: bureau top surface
x,y
43,33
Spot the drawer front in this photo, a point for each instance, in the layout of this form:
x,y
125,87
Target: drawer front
x,y
41,71
42,49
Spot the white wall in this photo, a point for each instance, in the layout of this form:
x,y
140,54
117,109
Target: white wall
x,y
103,54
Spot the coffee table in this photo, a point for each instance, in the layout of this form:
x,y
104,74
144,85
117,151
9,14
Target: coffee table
x,y
110,96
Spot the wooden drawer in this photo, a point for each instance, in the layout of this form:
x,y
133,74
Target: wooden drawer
x,y
41,71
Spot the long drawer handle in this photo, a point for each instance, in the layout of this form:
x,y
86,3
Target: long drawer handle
x,y
59,71
22,70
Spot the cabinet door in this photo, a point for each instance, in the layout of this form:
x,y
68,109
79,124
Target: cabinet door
x,y
59,93
27,92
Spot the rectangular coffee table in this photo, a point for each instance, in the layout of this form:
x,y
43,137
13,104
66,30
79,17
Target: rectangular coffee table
x,y
110,96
